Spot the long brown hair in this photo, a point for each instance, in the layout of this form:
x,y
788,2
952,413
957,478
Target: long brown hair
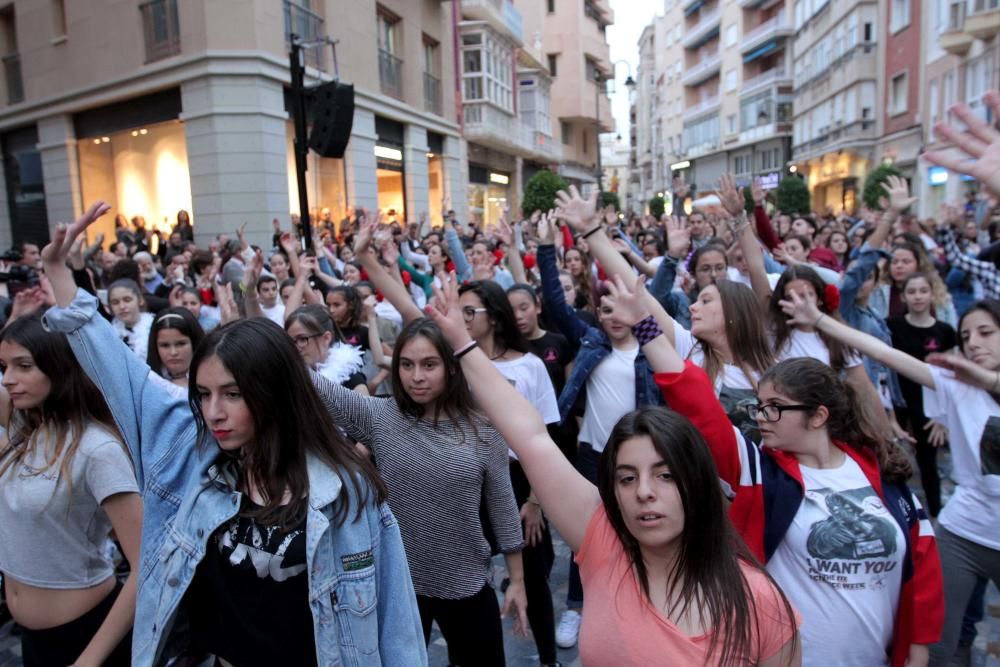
x,y
73,401
811,382
290,423
706,572
779,321
744,332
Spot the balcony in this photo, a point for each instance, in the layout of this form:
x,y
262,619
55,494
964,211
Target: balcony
x,y
12,73
432,93
703,71
777,27
984,21
305,25
545,148
955,40
772,77
390,74
161,29
750,4
705,106
500,14
703,30
487,125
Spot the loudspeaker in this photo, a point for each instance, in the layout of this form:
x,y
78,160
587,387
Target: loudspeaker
x,y
331,107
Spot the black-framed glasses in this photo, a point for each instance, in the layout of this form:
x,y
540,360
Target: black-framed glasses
x,y
469,313
302,341
772,413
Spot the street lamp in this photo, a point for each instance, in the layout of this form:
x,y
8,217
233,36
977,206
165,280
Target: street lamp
x,y
598,82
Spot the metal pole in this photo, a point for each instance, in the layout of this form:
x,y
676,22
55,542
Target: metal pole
x,y
301,147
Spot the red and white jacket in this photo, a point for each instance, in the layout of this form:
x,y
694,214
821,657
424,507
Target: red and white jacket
x,y
766,489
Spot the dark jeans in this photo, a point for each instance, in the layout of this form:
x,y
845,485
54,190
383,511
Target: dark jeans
x,y
587,461
63,644
537,561
974,613
471,626
914,421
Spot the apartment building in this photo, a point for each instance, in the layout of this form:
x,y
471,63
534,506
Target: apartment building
x,y
576,49
960,63
836,84
162,105
616,170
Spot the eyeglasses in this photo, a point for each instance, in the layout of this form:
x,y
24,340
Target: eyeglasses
x,y
772,413
302,341
469,313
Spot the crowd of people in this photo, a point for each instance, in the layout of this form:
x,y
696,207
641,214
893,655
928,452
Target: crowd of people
x,y
311,454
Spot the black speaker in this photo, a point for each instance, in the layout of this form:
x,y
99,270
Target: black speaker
x,y
331,109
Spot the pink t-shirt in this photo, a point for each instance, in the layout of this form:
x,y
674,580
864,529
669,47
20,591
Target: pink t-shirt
x,y
621,627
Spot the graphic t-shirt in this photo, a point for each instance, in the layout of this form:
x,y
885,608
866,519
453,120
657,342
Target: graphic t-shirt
x,y
840,564
554,351
356,336
918,342
249,600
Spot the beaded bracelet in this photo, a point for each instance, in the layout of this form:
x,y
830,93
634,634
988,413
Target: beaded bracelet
x,y
646,330
465,349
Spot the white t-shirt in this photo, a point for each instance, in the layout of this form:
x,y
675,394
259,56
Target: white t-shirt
x,y
973,420
610,396
809,344
275,313
840,564
528,375
732,273
732,376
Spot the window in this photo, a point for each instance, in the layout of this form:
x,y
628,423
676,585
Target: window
x,y
593,73
731,123
487,68
934,100
552,6
161,29
731,35
566,132
58,18
731,80
869,30
898,94
387,37
899,15
677,33
553,60
977,82
948,93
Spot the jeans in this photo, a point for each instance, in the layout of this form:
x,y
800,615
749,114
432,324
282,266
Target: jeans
x,y
587,461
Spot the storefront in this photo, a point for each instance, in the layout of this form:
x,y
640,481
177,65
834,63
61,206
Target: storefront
x,y
389,169
489,194
834,181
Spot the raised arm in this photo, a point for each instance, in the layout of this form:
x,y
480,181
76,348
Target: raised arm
x,y
251,304
803,311
505,233
734,204
391,289
569,500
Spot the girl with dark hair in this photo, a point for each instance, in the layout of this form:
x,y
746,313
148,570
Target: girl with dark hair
x,y
964,401
129,321
190,299
841,246
319,341
65,483
172,340
579,266
344,303
260,520
663,571
907,258
430,442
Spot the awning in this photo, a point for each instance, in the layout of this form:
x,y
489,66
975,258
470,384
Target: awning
x,y
769,47
695,6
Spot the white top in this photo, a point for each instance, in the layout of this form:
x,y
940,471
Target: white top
x,y
387,311
732,273
610,396
732,376
342,361
136,337
529,376
973,420
275,313
809,344
840,564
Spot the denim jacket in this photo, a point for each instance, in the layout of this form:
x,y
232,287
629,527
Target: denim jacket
x,y
674,301
866,319
592,344
361,616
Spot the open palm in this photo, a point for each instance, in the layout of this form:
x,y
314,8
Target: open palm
x,y
576,211
58,250
979,142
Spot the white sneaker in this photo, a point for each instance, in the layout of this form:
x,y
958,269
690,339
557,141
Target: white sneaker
x,y
568,630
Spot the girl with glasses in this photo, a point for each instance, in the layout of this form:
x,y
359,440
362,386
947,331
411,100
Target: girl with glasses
x,y
318,340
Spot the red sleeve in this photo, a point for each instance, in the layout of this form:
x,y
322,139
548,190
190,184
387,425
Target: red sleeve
x,y
927,586
567,233
691,394
765,231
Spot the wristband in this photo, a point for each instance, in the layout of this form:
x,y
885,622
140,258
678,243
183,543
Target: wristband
x,y
646,330
465,349
593,231
818,319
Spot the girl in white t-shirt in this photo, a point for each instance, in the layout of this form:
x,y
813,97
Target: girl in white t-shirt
x,y
130,322
965,402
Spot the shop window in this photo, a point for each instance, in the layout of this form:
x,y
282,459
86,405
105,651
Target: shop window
x,y
22,165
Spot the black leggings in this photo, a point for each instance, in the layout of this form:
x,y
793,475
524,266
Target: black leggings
x,y
537,561
914,420
63,644
471,626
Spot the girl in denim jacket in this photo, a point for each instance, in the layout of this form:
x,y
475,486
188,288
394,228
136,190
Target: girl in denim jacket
x,y
261,523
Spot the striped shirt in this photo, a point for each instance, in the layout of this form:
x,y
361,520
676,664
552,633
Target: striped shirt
x,y
437,476
986,272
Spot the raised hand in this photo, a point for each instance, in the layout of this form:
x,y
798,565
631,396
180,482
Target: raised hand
x,y
309,265
228,310
610,215
287,242
546,230
966,371
254,269
365,234
678,237
504,232
980,144
950,216
898,193
801,310
390,252
627,303
731,196
368,307
27,302
446,310
576,211
757,191
58,249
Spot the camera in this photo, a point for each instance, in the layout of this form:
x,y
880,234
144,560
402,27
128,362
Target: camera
x,y
19,277
12,255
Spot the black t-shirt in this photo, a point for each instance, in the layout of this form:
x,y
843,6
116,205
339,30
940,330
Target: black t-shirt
x,y
249,600
357,336
554,350
918,342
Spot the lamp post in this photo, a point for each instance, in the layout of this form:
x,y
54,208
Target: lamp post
x,y
598,82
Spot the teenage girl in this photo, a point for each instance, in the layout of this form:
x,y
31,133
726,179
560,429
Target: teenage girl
x,y
173,337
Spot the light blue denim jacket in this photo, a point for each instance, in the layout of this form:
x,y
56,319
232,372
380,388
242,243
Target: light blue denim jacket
x,y
364,616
